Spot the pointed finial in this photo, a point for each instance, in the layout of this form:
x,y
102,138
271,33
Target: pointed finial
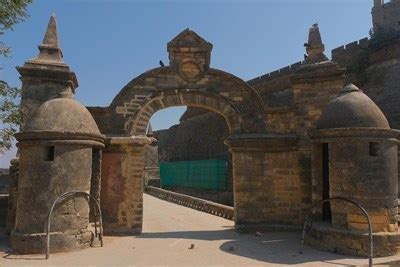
x,y
314,38
51,37
50,49
315,48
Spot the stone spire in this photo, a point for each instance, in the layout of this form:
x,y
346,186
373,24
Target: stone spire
x,y
46,76
50,49
314,47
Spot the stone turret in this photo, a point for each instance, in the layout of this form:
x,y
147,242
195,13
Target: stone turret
x,y
46,75
385,16
58,145
355,157
314,47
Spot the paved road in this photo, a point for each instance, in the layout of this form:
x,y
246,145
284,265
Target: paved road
x,y
169,232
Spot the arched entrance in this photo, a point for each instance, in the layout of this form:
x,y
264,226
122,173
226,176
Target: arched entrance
x,y
189,81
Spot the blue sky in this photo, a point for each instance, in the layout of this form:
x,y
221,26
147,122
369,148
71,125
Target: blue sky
x,y
109,42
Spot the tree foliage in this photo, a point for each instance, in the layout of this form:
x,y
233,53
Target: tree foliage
x,y
11,12
10,114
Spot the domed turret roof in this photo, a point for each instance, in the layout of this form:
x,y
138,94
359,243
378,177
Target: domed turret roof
x,y
352,109
63,115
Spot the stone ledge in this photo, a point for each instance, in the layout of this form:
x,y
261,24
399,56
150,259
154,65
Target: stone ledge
x,y
139,140
317,72
354,243
59,241
365,132
216,209
60,137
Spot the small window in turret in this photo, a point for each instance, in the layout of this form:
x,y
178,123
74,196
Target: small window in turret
x,y
373,149
50,153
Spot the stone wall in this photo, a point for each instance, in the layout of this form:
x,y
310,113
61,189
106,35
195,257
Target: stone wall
x,y
267,191
193,202
222,197
379,79
386,15
199,136
276,90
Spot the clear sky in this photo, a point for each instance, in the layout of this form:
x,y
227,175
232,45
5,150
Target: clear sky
x,y
107,43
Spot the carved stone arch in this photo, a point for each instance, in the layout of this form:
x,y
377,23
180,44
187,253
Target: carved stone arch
x,y
138,123
188,80
218,85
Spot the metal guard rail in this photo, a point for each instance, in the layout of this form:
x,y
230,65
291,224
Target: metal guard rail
x,y
66,196
371,245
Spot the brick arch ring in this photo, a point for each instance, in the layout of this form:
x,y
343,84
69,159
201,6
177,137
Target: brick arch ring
x,y
138,123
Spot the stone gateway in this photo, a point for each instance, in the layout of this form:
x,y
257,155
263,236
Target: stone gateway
x,y
328,139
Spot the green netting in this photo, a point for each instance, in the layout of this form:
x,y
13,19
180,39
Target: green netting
x,y
204,174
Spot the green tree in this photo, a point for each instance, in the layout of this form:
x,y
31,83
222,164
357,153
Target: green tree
x,y
11,12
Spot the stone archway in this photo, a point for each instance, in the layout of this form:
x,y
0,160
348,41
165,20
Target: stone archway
x,y
189,81
233,118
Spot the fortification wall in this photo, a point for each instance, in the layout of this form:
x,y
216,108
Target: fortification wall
x,y
347,55
255,82
387,16
381,76
197,138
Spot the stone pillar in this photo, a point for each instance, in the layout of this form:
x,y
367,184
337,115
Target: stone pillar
x,y
122,184
314,85
253,178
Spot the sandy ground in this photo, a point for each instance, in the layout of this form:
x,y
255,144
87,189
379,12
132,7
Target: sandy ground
x,y
177,236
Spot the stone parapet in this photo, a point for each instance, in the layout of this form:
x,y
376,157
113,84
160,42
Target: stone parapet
x,y
216,209
318,72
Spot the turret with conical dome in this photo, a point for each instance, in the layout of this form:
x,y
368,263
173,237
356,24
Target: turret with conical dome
x,y
58,144
355,157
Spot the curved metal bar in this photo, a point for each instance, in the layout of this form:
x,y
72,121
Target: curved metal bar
x,y
370,258
65,196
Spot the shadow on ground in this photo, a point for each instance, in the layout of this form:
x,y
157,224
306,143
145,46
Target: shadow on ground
x,y
269,247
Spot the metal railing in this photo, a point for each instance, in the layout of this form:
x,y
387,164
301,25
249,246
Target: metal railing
x,y
66,196
371,245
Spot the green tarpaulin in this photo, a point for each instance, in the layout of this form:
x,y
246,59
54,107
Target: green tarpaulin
x,y
201,174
